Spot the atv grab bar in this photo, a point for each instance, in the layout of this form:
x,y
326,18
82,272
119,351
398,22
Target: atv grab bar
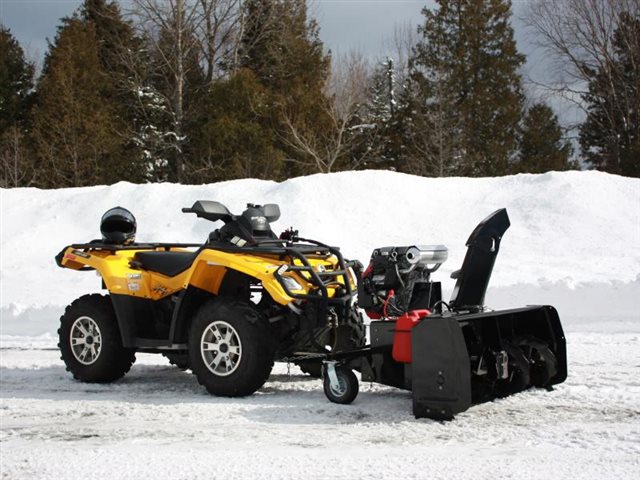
x,y
317,278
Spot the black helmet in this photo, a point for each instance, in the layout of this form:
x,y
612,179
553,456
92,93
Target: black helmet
x,y
118,225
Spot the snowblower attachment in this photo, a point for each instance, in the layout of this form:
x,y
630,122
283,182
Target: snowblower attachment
x,y
463,354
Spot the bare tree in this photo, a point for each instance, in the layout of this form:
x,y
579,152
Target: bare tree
x,y
346,91
435,133
584,39
401,44
578,36
15,167
167,27
219,35
187,39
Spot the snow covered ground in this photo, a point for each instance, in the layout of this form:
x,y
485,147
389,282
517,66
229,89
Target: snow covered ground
x,y
574,243
158,422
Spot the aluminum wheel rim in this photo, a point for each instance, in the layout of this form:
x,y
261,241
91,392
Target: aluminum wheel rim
x,y
221,348
85,339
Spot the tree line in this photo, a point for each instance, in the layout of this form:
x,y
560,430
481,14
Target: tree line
x,y
199,91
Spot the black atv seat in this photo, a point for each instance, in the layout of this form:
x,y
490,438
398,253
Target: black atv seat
x,y
166,263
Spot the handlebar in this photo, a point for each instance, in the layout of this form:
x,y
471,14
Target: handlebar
x,y
188,210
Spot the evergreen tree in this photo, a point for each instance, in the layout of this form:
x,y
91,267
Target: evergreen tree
x,y
377,132
114,35
235,140
81,123
281,46
16,83
542,147
466,68
610,135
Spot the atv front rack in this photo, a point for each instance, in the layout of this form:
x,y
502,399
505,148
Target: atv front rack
x,y
321,280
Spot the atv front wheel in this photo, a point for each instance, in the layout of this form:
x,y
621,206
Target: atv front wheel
x,y
230,348
90,342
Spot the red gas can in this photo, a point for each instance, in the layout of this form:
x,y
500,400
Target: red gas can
x,y
402,337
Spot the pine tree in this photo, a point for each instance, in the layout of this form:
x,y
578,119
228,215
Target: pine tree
x,y
16,83
610,135
376,130
375,126
116,40
466,67
235,140
542,147
81,123
282,48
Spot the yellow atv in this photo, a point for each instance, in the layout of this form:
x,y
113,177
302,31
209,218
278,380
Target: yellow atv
x,y
226,309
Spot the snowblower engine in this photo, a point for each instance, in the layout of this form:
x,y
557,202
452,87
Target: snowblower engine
x,y
398,279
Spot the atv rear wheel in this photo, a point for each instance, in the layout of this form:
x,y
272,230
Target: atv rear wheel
x,y
230,348
350,336
90,341
180,360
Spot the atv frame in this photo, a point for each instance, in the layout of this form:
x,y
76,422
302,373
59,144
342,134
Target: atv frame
x,y
318,295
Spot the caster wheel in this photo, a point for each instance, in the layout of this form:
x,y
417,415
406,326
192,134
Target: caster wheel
x,y
340,383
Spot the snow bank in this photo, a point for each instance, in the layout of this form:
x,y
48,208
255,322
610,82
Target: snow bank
x,y
574,239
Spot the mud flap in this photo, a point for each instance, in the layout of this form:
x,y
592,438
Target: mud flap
x,y
441,372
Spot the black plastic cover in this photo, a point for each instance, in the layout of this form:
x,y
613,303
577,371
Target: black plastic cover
x,y
441,370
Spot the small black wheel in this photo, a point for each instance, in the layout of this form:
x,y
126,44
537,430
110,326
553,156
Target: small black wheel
x,y
519,373
180,360
230,348
346,389
542,362
90,341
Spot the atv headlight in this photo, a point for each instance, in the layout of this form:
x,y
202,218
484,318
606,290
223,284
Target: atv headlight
x,y
291,283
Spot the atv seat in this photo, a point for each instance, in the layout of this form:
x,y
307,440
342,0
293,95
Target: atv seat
x,y
166,263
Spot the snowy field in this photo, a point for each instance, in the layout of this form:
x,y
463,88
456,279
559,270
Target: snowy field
x,y
574,243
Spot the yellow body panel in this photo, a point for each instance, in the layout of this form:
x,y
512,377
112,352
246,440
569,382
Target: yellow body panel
x,y
206,272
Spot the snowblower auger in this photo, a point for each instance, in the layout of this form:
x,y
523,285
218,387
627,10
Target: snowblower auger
x,y
457,354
